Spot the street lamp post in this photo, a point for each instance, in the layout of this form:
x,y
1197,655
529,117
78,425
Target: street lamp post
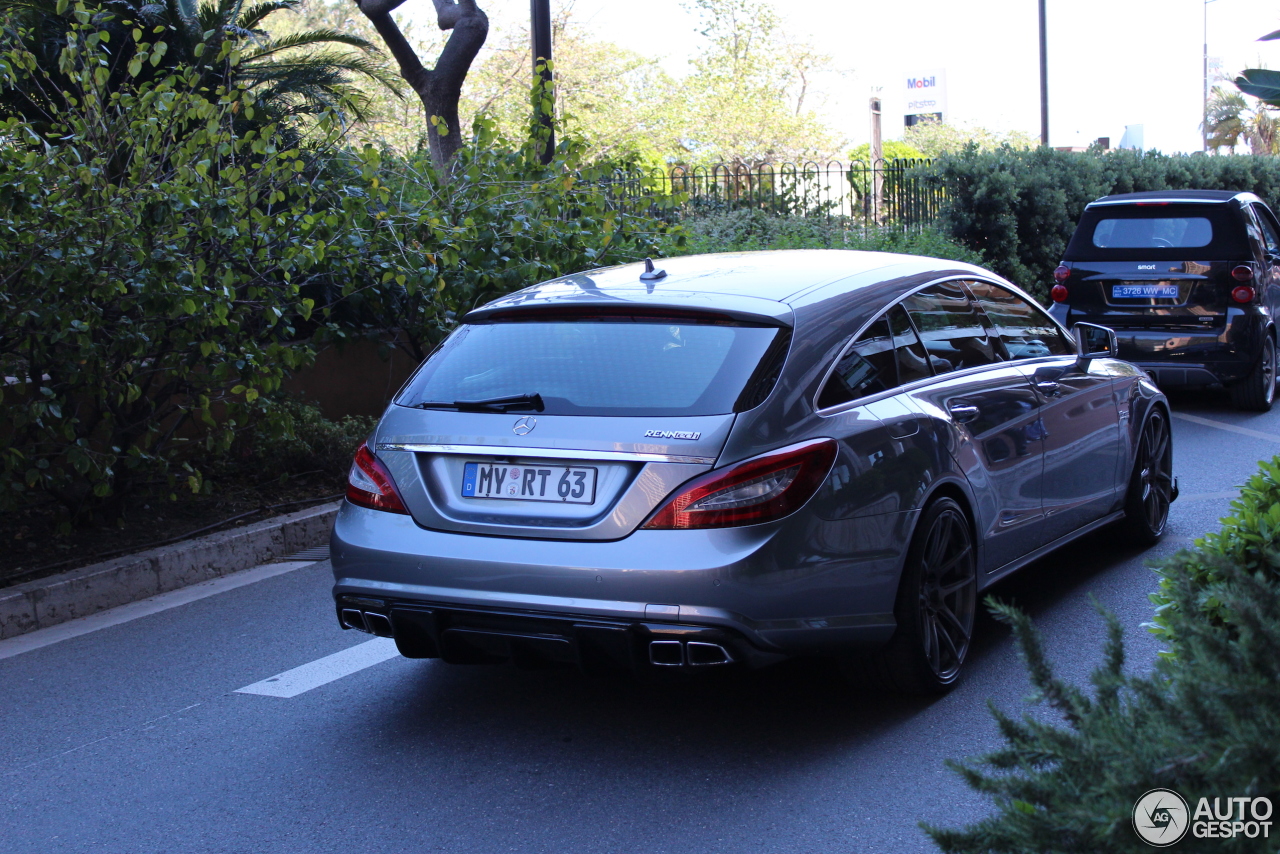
x,y
1204,111
1044,81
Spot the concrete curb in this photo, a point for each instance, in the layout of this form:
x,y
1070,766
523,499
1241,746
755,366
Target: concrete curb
x,y
48,601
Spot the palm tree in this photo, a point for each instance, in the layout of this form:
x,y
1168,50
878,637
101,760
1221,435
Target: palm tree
x,y
1224,121
303,73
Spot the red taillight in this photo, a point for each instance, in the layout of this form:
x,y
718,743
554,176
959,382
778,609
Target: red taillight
x,y
1058,293
1061,273
1243,293
757,490
1243,273
369,484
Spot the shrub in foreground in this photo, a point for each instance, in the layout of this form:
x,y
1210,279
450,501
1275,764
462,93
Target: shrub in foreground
x,y
1205,722
1249,539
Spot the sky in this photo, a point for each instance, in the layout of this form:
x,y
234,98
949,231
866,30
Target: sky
x,y
1112,63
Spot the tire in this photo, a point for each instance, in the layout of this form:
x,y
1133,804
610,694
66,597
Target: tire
x,y
1256,392
935,607
1146,502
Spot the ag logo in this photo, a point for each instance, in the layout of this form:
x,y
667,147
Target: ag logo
x,y
1160,817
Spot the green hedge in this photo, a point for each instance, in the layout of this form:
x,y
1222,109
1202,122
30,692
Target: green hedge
x,y
162,269
752,229
1019,207
1205,722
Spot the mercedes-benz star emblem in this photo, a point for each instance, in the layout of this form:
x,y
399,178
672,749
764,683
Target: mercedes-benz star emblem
x,y
524,425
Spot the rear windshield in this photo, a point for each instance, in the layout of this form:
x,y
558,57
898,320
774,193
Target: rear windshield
x,y
1162,232
604,367
1159,232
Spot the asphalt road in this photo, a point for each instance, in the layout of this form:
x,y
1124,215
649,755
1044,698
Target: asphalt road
x,y
133,738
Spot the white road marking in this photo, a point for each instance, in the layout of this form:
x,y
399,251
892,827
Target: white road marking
x,y
322,671
1222,425
1208,496
143,608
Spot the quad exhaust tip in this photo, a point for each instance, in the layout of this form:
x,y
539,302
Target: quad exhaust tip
x,y
674,653
353,619
370,622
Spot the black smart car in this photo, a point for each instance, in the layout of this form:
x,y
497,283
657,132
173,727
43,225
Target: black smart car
x,y
1188,279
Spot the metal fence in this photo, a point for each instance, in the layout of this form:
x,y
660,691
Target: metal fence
x,y
894,193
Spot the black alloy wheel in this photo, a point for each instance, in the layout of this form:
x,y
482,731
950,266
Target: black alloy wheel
x,y
1146,504
1256,392
937,600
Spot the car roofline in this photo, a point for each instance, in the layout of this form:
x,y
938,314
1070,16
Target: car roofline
x,y
1136,199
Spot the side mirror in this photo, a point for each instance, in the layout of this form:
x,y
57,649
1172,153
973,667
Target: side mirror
x,y
1092,342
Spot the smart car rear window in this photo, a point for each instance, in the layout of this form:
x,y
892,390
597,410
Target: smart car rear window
x,y
601,367
1159,232
1186,232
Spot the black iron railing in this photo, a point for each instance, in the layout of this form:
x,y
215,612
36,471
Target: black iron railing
x,y
894,193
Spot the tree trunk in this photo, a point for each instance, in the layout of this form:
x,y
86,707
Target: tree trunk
x,y
439,87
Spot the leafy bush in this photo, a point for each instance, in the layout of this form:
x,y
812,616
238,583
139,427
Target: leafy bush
x,y
748,230
1249,539
500,220
1204,723
1019,207
298,441
152,272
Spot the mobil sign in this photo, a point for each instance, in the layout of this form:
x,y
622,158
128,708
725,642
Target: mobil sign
x,y
926,92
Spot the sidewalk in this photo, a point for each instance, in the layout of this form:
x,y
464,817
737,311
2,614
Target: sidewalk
x,y
79,592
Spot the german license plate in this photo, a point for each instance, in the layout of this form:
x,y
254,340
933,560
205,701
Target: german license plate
x,y
562,484
1144,291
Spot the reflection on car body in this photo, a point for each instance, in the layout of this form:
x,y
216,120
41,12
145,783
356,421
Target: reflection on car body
x,y
795,453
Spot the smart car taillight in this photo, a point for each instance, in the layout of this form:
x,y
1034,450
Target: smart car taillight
x,y
760,489
1242,294
1061,273
369,484
1058,293
1242,273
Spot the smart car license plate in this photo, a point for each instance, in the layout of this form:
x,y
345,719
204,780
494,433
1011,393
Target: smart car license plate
x,y
1144,291
562,484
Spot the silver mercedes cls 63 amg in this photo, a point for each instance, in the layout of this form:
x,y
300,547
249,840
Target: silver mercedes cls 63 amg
x,y
741,458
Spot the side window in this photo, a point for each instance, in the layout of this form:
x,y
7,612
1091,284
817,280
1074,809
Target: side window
x,y
951,328
886,355
1024,328
1270,239
865,368
913,362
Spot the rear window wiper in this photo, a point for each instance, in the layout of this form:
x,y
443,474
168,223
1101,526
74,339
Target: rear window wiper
x,y
491,404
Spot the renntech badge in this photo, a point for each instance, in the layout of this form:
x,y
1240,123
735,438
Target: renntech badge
x,y
671,434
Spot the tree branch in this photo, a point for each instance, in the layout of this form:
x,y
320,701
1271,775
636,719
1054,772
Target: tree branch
x,y
379,14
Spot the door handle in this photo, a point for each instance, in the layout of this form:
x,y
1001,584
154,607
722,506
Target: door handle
x,y
1048,388
962,412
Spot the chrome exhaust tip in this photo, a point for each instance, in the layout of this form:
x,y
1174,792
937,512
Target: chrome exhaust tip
x,y
674,653
378,624
702,654
666,653
353,619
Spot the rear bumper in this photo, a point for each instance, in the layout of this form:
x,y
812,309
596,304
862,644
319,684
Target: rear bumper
x,y
474,636
500,596
1186,356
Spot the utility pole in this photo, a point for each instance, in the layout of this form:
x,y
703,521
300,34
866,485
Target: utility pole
x,y
540,31
1044,81
1204,112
